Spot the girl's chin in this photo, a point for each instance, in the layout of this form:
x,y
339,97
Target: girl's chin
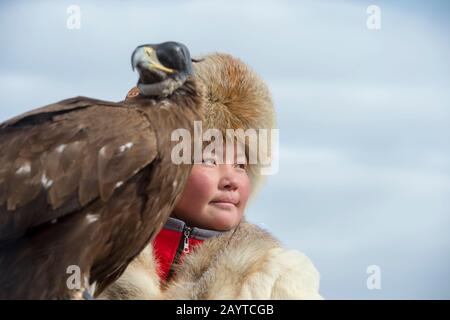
x,y
224,219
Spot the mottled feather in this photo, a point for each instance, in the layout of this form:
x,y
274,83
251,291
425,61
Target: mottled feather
x,y
87,183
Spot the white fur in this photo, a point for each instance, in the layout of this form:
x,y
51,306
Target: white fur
x,y
249,265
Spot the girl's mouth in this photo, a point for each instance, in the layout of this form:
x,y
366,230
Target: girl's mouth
x,y
223,204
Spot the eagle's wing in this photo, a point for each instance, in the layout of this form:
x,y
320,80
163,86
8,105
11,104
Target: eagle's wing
x,y
57,159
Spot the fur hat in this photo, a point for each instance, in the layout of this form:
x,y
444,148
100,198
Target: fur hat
x,y
235,98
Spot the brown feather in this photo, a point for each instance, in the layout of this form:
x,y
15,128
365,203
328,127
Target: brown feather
x,y
86,182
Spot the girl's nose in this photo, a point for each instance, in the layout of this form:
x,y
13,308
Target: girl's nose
x,y
228,179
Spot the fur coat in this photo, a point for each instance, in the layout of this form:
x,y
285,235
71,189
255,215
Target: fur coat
x,y
244,263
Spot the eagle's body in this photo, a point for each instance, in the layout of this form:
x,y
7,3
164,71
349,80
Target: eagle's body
x,y
86,184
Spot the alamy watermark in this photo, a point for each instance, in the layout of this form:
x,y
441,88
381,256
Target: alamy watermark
x,y
74,19
262,147
373,21
373,282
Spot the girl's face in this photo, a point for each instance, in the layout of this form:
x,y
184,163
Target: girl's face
x,y
215,196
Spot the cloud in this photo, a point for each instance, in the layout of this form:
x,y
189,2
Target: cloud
x,y
342,211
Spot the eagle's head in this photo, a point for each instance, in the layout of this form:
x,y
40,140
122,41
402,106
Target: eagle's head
x,y
162,68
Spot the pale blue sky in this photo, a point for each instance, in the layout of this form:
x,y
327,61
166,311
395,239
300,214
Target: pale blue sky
x,y
363,115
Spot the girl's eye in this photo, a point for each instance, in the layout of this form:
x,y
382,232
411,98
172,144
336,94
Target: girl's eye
x,y
242,166
209,162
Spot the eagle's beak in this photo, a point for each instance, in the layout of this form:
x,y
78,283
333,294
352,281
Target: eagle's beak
x,y
146,56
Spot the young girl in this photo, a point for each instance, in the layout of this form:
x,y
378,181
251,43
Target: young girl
x,y
207,250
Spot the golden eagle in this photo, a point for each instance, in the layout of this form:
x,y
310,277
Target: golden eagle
x,y
85,184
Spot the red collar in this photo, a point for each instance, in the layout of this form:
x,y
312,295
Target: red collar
x,y
174,241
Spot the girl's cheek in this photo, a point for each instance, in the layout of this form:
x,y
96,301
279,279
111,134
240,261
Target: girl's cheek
x,y
201,182
194,194
244,187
